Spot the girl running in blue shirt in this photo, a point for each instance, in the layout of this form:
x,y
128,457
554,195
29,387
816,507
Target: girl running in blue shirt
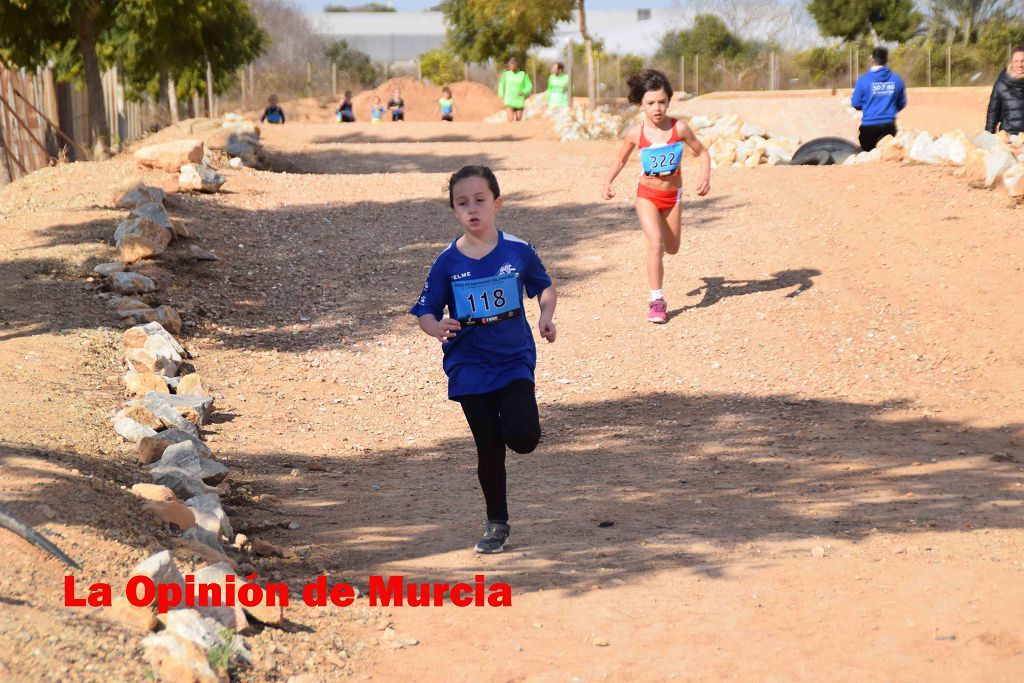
x,y
489,352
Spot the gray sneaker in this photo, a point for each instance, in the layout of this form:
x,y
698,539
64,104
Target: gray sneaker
x,y
495,536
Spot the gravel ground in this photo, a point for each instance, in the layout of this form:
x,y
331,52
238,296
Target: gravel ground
x,y
812,471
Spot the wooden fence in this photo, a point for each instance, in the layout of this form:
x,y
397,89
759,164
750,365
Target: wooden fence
x,y
42,121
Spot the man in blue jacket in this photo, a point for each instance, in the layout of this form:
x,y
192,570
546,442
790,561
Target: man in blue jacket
x,y
880,94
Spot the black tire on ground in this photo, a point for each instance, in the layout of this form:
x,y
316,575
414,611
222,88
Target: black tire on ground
x,y
824,152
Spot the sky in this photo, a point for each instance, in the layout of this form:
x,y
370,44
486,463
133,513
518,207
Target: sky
x,y
416,5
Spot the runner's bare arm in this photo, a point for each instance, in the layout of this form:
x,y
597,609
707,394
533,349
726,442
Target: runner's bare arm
x,y
628,143
686,135
442,330
548,301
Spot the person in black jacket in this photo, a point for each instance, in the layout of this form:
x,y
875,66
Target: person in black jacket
x,y
1006,106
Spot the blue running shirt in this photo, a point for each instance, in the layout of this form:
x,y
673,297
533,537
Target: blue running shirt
x,y
495,345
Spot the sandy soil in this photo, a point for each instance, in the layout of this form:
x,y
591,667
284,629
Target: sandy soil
x,y
813,471
811,114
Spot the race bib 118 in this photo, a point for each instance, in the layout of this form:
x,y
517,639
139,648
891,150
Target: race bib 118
x,y
487,300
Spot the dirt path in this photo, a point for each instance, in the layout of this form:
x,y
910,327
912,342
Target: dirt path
x,y
842,381
814,470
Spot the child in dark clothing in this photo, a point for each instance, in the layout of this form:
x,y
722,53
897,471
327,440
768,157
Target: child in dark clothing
x,y
272,114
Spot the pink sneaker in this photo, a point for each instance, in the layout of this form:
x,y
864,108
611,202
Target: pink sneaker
x,y
657,312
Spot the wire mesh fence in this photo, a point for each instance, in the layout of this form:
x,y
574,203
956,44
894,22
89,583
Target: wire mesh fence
x,y
694,74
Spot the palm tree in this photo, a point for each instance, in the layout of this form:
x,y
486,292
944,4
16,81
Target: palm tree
x,y
963,20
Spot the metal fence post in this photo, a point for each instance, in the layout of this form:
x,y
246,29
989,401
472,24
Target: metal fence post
x,y
949,66
696,74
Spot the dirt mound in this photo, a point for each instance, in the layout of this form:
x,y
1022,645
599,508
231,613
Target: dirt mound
x,y
473,101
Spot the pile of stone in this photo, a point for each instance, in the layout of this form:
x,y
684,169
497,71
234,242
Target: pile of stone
x,y
731,142
997,158
163,418
583,123
188,159
199,643
242,144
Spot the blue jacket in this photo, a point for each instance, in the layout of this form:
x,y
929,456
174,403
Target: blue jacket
x,y
879,94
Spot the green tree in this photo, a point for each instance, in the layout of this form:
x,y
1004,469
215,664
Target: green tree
x,y
33,31
709,37
479,30
352,62
441,66
895,20
996,39
963,20
824,66
166,44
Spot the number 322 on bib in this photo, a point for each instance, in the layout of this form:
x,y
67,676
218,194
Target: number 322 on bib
x,y
487,300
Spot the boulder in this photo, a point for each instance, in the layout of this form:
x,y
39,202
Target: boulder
x,y
173,436
191,385
167,412
151,449
141,414
997,162
199,178
131,283
204,536
160,567
230,617
173,512
244,151
177,660
140,619
145,335
171,156
1013,179
154,211
165,316
145,361
184,484
195,409
750,130
143,226
186,456
922,152
132,248
893,153
210,515
130,430
108,269
154,492
202,551
135,193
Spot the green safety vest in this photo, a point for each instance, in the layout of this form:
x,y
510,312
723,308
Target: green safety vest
x,y
514,87
558,90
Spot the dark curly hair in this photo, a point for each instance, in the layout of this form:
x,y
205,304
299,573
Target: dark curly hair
x,y
472,172
646,81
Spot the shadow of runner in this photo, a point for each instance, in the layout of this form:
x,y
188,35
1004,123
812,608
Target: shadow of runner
x,y
717,288
687,480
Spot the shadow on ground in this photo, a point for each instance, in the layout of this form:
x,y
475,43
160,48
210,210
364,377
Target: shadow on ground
x,y
673,472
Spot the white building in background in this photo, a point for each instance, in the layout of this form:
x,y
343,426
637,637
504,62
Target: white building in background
x,y
402,36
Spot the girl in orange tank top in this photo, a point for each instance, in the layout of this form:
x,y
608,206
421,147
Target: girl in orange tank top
x,y
660,188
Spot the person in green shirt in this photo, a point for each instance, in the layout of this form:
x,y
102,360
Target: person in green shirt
x,y
515,85
558,87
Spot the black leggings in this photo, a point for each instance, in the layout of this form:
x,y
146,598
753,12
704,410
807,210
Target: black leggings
x,y
505,417
870,135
